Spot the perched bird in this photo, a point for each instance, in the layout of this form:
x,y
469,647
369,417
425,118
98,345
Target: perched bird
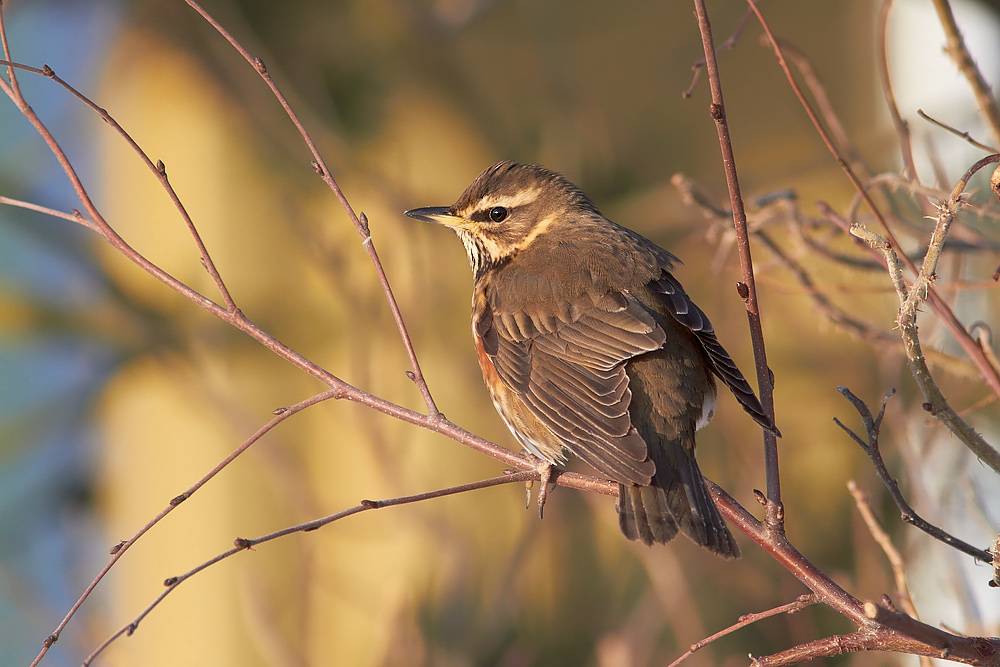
x,y
589,345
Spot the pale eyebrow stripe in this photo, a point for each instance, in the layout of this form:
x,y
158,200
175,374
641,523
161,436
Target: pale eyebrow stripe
x,y
522,198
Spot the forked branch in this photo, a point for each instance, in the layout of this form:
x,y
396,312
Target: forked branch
x,y
870,445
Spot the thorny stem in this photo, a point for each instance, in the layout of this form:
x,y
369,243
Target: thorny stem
x,y
910,300
989,374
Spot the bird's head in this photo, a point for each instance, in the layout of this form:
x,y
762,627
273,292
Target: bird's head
x,y
506,209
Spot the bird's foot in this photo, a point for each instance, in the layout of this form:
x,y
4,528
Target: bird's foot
x,y
547,473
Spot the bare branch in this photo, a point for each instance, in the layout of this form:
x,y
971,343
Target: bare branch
x,y
990,375
821,301
888,548
72,216
901,126
725,46
360,222
871,447
826,108
957,133
748,288
244,544
11,69
973,651
158,170
960,55
118,550
799,604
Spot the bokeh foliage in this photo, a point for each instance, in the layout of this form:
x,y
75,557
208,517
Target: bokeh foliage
x,y
409,101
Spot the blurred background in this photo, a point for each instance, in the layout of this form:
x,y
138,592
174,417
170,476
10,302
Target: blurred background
x,y
116,394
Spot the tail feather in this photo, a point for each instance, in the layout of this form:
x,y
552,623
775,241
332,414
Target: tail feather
x,y
676,500
643,514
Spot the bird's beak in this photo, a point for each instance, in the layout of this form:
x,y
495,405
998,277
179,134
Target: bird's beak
x,y
436,214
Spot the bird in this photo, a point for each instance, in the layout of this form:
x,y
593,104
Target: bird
x,y
590,346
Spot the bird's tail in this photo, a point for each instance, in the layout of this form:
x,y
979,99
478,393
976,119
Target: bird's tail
x,y
676,499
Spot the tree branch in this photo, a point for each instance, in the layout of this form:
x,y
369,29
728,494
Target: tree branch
x,y
871,447
748,288
798,605
243,544
960,55
989,374
360,222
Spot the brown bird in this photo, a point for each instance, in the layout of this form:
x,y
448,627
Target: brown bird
x,y
589,345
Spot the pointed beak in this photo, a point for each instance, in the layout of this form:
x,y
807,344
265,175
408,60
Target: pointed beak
x,y
436,214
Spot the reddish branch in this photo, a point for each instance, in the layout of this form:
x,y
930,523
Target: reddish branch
x,y
987,371
244,544
801,603
360,222
878,630
748,288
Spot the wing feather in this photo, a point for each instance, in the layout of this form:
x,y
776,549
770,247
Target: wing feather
x,y
679,304
567,365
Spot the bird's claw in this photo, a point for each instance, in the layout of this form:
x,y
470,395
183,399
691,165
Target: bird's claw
x,y
546,472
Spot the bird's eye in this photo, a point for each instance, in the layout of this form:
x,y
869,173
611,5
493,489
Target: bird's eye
x,y
498,214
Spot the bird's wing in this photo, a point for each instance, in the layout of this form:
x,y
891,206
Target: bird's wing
x,y
567,365
670,293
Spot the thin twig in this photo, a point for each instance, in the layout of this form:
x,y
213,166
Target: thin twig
x,y
725,46
821,301
801,603
748,290
72,216
990,375
11,71
119,549
985,334
960,134
870,445
244,544
902,127
360,222
892,554
959,53
819,94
